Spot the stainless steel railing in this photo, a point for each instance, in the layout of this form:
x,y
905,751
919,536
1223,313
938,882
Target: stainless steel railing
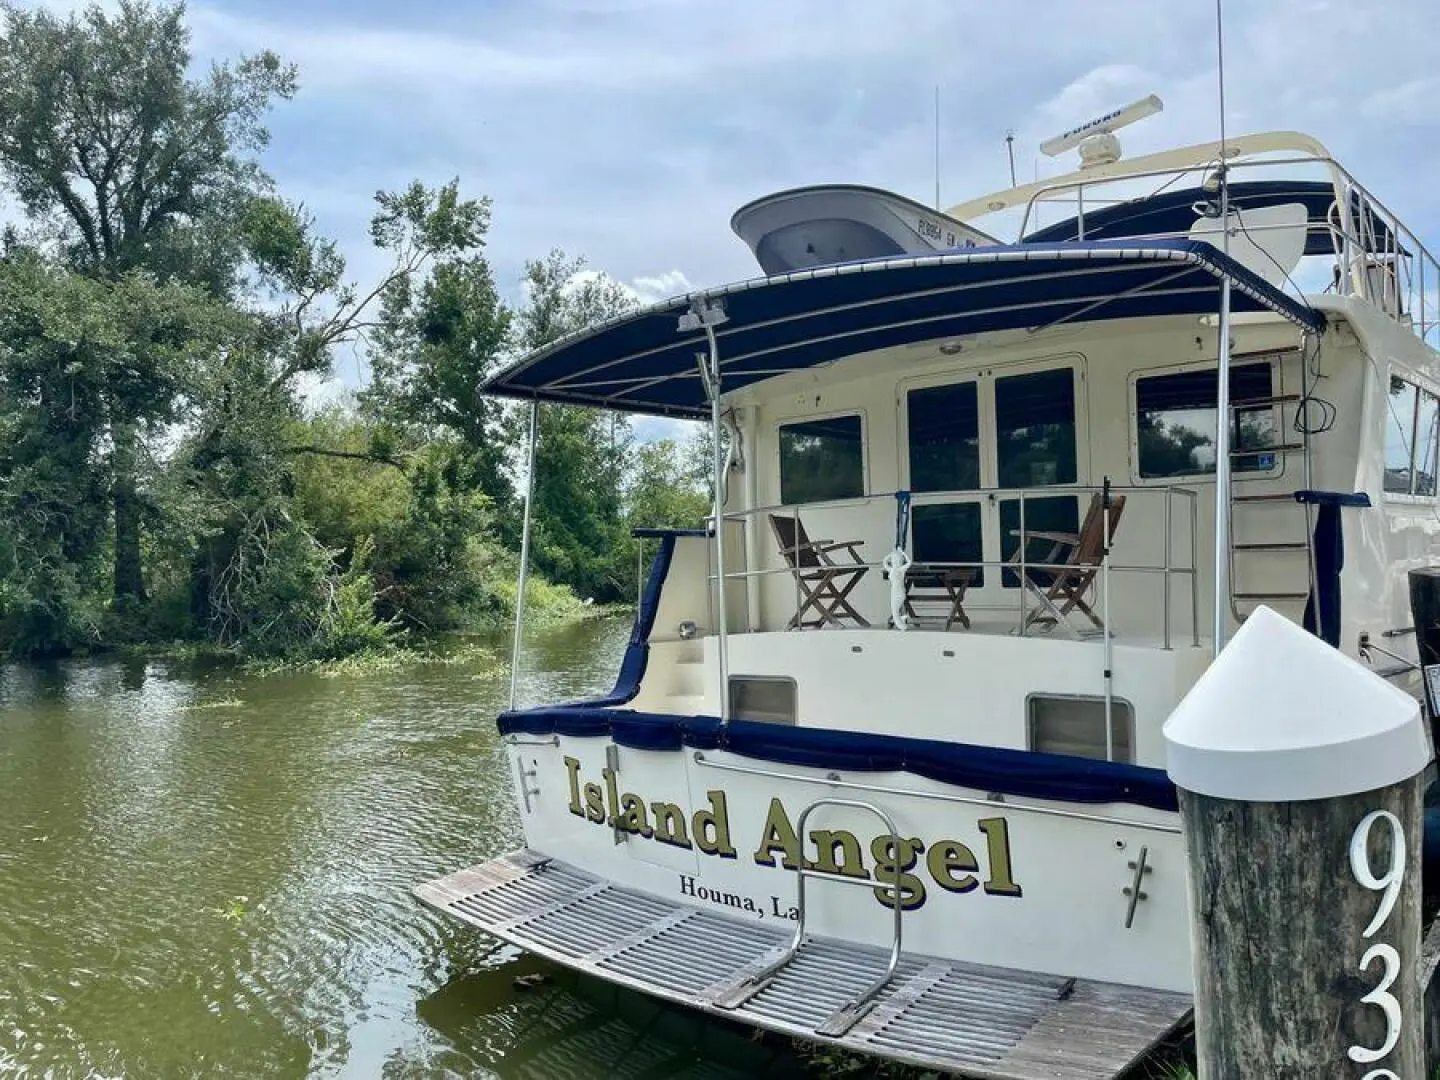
x,y
1168,567
1379,259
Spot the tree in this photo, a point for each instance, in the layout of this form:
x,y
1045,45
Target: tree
x,y
582,454
245,443
435,346
667,491
129,165
134,164
67,343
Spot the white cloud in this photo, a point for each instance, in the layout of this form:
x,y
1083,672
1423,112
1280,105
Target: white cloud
x,y
1412,103
649,429
651,288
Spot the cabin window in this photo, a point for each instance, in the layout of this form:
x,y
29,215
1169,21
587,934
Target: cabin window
x,y
943,425
822,460
1410,439
949,533
1399,436
1175,421
766,699
1035,447
1035,428
1076,726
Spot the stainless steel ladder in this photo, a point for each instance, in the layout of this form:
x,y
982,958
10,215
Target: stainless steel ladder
x,y
853,1010
1268,501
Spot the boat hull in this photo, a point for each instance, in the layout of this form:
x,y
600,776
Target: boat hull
x,y
1041,885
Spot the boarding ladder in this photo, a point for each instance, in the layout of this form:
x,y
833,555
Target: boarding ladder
x,y
1275,562
853,1010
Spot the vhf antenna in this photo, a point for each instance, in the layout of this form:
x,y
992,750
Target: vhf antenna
x,y
937,147
1010,149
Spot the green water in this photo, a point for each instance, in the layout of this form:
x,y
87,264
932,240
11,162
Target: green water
x,y
209,874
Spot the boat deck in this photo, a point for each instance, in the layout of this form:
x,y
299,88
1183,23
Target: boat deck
x,y
984,1022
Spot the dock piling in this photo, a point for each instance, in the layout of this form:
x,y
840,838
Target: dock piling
x,y
1300,792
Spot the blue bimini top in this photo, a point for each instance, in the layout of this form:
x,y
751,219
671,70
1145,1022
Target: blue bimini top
x,y
643,362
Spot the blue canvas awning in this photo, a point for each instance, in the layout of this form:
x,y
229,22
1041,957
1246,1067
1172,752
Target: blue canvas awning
x,y
642,362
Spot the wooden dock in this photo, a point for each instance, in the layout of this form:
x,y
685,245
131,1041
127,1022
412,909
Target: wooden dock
x,y
984,1022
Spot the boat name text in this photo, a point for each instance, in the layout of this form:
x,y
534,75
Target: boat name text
x,y
949,865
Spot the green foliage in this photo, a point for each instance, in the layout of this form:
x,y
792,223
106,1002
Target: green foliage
x,y
116,153
670,488
282,594
435,559
580,533
83,360
159,478
436,344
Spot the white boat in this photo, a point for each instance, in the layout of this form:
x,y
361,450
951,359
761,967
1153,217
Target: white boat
x,y
883,766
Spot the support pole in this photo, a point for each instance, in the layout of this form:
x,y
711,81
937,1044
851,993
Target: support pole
x,y
1300,776
524,553
722,645
1222,472
1107,638
705,316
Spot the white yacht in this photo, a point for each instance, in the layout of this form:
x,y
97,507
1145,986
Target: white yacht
x,y
883,764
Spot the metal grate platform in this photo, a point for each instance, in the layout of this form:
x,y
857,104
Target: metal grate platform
x,y
984,1022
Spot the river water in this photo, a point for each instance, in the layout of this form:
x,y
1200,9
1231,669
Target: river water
x,y
204,873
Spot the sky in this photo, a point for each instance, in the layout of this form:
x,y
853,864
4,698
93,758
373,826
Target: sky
x,y
628,131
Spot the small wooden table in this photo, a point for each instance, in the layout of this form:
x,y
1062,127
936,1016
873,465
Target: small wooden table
x,y
939,584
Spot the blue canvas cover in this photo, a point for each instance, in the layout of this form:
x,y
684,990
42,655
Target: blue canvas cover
x,y
642,362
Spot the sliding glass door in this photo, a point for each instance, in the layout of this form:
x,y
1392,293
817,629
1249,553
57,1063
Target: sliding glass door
x,y
973,444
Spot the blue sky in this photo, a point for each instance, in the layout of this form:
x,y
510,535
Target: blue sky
x,y
629,130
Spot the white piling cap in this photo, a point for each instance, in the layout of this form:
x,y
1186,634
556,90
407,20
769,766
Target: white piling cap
x,y
1280,716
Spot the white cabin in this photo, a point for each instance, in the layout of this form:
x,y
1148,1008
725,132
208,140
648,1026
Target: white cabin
x,y
973,425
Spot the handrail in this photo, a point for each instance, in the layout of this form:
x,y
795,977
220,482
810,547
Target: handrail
x,y
863,998
1167,568
1353,240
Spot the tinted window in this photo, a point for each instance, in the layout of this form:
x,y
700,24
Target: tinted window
x,y
944,423
1035,428
1175,421
822,459
948,533
1399,436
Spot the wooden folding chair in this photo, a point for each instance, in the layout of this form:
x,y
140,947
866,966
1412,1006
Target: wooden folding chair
x,y
825,585
1061,579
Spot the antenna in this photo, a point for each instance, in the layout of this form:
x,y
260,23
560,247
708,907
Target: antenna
x,y
1224,584
937,146
1096,138
1010,150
